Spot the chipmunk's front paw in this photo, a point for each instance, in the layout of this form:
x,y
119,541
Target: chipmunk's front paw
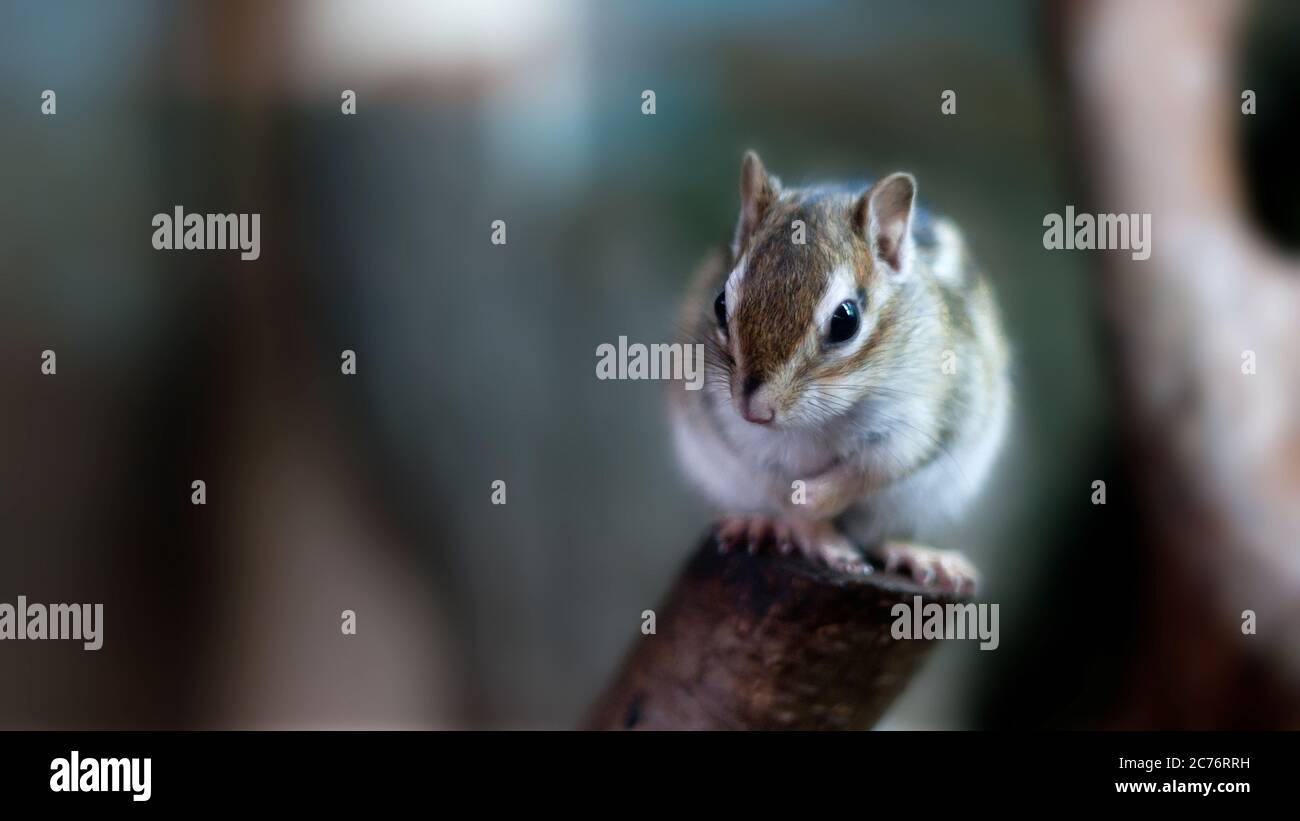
x,y
945,569
753,532
824,544
820,543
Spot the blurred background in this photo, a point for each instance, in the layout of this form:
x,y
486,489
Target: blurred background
x,y
475,362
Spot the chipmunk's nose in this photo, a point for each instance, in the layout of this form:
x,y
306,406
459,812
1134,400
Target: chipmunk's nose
x,y
754,406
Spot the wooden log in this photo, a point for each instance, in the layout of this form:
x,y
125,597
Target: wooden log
x,y
750,642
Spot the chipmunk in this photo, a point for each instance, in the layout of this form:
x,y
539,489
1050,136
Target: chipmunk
x,y
856,387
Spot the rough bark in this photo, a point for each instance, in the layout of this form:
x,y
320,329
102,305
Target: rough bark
x,y
767,642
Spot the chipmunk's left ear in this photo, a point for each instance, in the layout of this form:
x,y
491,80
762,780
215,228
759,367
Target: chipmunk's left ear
x,y
758,190
883,216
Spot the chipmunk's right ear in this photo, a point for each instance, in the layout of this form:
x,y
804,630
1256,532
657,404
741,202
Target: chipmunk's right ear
x,y
758,191
883,215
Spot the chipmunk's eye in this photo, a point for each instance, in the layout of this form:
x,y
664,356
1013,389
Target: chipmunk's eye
x,y
844,322
720,309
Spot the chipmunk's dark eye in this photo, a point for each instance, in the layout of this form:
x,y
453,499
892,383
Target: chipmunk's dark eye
x,y
844,322
720,309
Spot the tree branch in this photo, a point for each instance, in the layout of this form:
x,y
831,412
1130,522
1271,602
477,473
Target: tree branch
x,y
767,642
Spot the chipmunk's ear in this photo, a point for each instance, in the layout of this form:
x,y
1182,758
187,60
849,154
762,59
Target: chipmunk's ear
x,y
883,215
757,193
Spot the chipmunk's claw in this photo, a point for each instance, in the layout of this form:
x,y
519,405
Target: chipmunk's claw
x,y
823,544
752,532
948,570
820,543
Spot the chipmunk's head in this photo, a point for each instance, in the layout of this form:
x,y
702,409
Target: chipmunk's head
x,y
806,313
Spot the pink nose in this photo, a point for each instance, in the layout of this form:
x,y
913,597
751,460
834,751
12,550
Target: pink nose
x,y
753,407
758,413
